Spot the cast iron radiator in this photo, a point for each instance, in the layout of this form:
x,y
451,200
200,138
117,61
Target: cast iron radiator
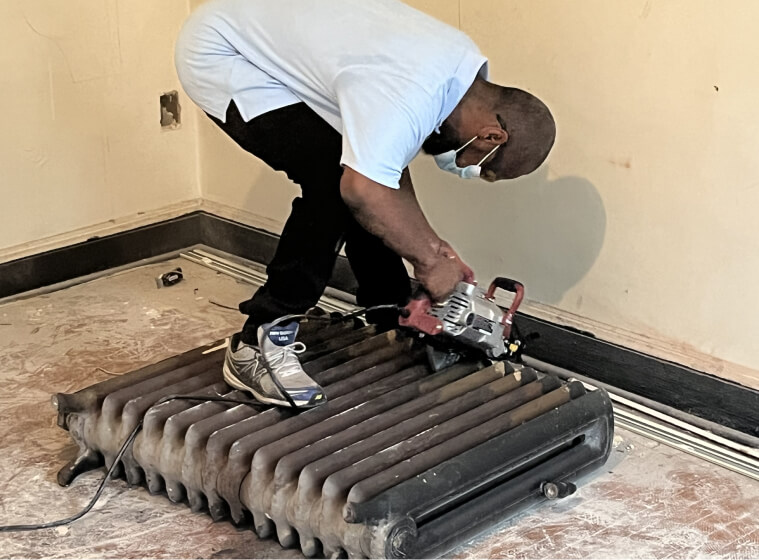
x,y
401,462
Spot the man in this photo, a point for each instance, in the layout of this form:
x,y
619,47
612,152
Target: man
x,y
341,95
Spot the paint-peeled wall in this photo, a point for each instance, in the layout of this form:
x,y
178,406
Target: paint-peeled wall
x,y
82,143
642,221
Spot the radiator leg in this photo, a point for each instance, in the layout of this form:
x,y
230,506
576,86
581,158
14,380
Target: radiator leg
x,y
286,536
217,507
87,460
197,501
175,491
264,526
118,470
155,482
133,471
310,547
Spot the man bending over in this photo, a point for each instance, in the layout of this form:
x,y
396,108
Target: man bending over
x,y
341,95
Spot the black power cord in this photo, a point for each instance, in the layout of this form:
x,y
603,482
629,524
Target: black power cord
x,y
130,439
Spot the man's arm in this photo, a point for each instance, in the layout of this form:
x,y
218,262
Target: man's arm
x,y
394,215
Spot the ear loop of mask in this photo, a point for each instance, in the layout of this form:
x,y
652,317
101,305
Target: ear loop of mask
x,y
483,159
487,156
467,144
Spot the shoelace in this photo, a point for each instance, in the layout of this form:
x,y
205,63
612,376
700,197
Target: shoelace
x,y
285,360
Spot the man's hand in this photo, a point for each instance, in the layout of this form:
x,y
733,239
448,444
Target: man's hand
x,y
440,279
447,251
447,270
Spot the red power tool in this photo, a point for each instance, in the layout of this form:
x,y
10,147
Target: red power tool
x,y
469,318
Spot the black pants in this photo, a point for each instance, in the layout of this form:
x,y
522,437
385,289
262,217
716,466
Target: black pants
x,y
296,140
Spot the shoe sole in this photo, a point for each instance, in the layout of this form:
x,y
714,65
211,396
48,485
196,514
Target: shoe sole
x,y
232,381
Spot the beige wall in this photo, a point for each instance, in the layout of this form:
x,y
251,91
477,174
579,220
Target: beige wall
x,y
80,82
644,217
656,105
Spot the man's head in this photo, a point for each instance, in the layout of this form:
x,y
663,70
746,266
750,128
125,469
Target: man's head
x,y
516,122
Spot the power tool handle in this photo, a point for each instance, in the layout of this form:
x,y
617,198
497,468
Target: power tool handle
x,y
516,288
416,315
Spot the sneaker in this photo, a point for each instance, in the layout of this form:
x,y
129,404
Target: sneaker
x,y
245,369
280,352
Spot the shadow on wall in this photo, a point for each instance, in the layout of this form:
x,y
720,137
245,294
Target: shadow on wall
x,y
547,233
544,232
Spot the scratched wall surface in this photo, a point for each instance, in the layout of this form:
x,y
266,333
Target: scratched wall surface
x,y
649,502
82,143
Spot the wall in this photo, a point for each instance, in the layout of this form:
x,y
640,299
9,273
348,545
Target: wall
x,y
79,85
656,109
641,226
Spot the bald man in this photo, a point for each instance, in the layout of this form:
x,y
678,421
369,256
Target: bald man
x,y
341,95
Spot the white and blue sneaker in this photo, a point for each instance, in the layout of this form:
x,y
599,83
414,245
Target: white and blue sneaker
x,y
276,377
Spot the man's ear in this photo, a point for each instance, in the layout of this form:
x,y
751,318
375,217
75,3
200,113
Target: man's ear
x,y
493,135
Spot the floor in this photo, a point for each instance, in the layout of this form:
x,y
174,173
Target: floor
x,y
650,501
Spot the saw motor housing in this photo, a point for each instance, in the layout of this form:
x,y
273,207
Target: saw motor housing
x,y
469,317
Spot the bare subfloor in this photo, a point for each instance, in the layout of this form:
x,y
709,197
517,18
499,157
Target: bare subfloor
x,y
649,502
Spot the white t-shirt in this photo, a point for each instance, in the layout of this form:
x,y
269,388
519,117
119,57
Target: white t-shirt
x,y
381,73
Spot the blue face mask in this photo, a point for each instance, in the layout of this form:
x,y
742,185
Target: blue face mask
x,y
447,162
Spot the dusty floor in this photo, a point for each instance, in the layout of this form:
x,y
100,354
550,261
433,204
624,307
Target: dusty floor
x,y
649,502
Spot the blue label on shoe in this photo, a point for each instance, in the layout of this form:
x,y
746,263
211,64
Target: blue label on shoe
x,y
284,335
